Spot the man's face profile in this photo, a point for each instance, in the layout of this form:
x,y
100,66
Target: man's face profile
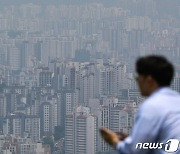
x,y
145,83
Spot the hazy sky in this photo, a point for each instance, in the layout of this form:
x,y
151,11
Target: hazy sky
x,y
163,6
161,2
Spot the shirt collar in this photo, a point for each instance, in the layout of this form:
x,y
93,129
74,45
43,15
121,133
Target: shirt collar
x,y
161,90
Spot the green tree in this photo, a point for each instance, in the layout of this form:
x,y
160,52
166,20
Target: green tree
x,y
49,141
58,133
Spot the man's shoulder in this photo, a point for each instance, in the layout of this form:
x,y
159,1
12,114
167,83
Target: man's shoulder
x,y
165,99
150,104
162,94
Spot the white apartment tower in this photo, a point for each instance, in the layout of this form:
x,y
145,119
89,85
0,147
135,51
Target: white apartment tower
x,y
80,132
32,126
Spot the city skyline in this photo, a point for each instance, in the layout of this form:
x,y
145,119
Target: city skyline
x,y
67,69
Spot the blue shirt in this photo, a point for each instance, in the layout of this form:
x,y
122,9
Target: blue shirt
x,y
157,121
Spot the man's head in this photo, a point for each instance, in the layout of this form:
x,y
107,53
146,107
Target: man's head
x,y
153,72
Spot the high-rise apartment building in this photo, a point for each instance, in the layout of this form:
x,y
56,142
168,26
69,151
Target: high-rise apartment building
x,y
14,58
80,132
32,127
46,118
45,78
3,106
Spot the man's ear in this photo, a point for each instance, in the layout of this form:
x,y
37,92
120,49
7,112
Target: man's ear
x,y
150,79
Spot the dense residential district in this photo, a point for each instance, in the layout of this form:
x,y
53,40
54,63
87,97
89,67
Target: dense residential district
x,y
68,70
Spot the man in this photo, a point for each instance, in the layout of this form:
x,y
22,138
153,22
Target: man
x,y
158,118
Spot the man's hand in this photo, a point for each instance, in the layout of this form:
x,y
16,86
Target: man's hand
x,y
121,135
110,137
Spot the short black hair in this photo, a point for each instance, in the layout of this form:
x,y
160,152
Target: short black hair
x,y
158,67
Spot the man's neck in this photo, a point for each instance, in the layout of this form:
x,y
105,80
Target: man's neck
x,y
153,90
